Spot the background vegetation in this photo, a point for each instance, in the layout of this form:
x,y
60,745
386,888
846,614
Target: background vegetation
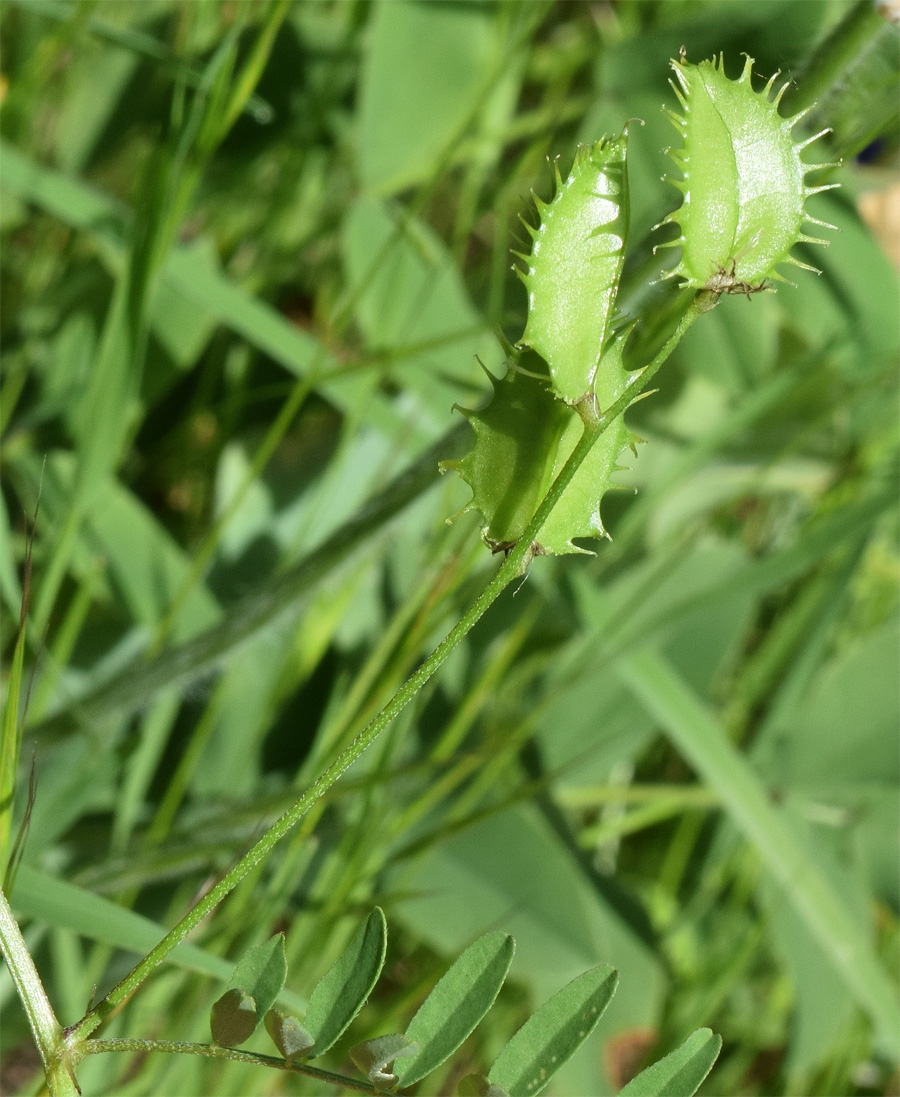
x,y
250,253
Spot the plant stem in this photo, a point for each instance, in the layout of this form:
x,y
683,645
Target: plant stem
x,y
518,556
47,1031
211,1051
826,66
640,818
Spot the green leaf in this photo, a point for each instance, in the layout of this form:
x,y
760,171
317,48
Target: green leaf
x,y
554,1033
859,62
681,1072
144,679
189,275
705,745
476,1085
835,745
288,1035
233,1018
374,1056
341,993
456,1005
423,76
61,905
513,869
38,895
412,305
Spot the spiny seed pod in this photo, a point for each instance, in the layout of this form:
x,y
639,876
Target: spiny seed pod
x,y
522,440
575,265
743,181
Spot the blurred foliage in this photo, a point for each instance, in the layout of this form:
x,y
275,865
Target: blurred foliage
x,y
244,280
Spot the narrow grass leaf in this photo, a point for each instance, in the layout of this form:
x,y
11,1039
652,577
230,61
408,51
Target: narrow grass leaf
x,y
704,744
66,906
74,202
268,603
554,1033
186,274
456,1005
9,747
680,1073
342,992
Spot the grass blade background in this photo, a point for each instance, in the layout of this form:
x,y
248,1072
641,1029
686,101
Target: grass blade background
x,y
260,555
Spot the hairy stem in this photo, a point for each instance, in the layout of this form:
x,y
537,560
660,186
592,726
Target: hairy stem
x,y
211,1051
518,556
47,1031
827,64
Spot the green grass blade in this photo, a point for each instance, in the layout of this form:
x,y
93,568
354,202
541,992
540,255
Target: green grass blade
x,y
135,687
705,746
144,45
188,276
9,749
38,895
74,202
761,577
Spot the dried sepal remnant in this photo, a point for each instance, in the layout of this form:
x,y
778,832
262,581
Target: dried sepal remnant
x,y
743,180
726,281
573,272
522,440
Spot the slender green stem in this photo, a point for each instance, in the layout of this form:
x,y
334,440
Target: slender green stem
x,y
211,1051
47,1031
826,66
640,818
249,76
596,796
10,745
518,556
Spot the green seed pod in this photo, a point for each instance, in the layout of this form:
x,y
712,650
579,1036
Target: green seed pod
x,y
510,465
575,265
743,181
522,440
